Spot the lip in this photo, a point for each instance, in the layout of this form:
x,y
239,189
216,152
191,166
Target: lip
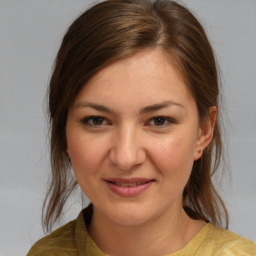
x,y
128,187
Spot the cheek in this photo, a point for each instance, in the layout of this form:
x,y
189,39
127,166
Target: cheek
x,y
86,154
174,156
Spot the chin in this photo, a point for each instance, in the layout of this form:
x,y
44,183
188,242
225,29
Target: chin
x,y
130,215
130,219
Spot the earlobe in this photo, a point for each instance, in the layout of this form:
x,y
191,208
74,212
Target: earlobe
x,y
205,133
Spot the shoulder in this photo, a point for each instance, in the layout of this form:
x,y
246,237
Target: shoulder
x,y
224,242
65,241
59,242
71,239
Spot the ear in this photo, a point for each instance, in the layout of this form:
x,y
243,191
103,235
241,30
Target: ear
x,y
205,132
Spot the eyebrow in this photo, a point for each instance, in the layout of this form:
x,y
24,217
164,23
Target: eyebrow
x,y
159,106
94,106
146,109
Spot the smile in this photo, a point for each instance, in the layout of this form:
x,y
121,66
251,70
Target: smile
x,y
128,184
128,187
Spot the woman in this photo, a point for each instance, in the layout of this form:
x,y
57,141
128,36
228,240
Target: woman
x,y
133,104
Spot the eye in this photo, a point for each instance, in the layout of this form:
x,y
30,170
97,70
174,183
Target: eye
x,y
95,121
160,121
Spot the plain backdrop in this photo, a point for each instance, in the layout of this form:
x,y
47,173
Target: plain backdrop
x,y
30,34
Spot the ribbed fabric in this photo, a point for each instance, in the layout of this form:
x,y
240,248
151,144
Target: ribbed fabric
x,y
74,240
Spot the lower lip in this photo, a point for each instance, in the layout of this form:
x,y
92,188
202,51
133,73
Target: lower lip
x,y
129,191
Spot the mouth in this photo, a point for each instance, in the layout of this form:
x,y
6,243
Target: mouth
x,y
129,184
128,187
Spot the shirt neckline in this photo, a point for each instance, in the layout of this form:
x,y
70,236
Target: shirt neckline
x,y
87,246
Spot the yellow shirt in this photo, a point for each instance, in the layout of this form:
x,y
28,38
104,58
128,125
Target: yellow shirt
x,y
74,240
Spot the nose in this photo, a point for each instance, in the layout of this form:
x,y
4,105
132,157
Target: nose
x,y
127,150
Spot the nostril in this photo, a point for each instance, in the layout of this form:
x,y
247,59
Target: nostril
x,y
127,152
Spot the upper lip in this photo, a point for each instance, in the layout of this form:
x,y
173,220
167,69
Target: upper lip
x,y
128,180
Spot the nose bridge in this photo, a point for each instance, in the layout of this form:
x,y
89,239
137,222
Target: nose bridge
x,y
127,149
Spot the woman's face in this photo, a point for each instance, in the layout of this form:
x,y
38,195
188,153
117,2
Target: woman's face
x,y
133,134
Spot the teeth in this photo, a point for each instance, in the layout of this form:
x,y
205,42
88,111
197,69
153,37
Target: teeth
x,y
128,184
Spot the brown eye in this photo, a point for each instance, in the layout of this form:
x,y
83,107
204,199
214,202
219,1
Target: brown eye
x,y
94,121
97,120
159,121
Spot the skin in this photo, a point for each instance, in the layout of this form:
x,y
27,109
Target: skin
x,y
128,141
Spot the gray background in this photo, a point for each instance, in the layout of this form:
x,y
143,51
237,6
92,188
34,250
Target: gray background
x,y
30,33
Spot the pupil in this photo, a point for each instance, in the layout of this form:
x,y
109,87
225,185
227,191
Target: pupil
x,y
97,120
159,121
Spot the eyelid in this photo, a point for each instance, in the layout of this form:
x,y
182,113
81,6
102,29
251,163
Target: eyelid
x,y
86,120
168,119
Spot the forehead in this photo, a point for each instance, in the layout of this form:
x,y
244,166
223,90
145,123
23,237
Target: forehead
x,y
146,77
146,62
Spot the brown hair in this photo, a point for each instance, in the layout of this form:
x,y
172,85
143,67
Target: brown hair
x,y
107,32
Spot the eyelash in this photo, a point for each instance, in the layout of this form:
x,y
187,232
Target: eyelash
x,y
167,120
87,120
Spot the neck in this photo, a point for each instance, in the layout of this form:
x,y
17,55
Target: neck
x,y
160,236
